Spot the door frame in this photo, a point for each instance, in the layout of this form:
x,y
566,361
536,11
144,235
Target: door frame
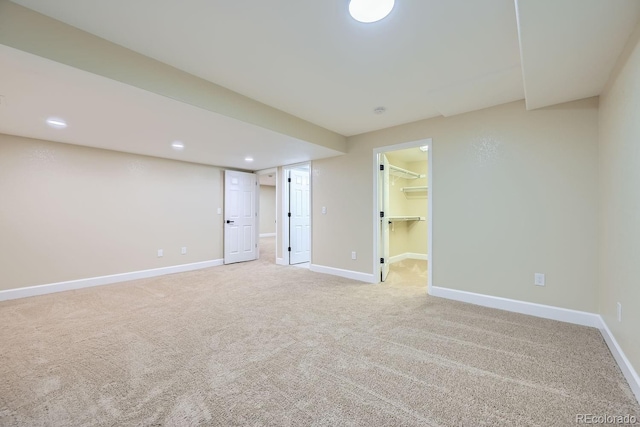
x,y
376,213
285,260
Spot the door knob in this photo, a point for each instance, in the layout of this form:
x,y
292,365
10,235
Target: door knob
x,y
229,221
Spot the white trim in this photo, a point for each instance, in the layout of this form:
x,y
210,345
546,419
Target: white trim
x,y
408,255
355,275
267,234
539,310
625,366
281,261
103,280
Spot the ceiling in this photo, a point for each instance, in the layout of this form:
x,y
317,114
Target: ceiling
x,y
104,113
428,58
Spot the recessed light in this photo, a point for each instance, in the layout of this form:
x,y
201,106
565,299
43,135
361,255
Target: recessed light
x,y
177,145
379,110
57,123
368,11
424,148
248,159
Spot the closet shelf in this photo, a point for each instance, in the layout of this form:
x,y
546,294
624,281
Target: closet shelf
x,y
403,173
422,188
406,218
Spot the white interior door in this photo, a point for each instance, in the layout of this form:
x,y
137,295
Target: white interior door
x,y
383,205
300,216
241,215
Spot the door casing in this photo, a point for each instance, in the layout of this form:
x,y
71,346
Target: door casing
x,y
376,203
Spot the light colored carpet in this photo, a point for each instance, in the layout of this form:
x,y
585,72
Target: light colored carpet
x,y
260,344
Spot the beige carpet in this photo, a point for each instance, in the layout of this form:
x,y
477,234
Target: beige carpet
x,y
259,344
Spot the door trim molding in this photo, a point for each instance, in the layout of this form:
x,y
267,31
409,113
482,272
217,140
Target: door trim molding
x,y
376,215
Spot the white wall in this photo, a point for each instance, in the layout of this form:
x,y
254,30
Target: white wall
x,y
620,201
267,209
514,193
69,212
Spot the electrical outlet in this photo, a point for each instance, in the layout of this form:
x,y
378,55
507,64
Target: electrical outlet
x,y
184,250
538,279
619,312
354,255
160,253
324,210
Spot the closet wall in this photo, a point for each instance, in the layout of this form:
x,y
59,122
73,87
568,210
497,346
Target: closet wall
x,y
408,238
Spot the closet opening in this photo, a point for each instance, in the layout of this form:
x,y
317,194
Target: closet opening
x,y
268,213
402,199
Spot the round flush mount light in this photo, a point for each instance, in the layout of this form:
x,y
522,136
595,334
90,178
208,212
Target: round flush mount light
x,y
379,110
56,122
248,159
177,145
368,11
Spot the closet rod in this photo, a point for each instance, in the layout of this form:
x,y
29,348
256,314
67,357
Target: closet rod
x,y
411,174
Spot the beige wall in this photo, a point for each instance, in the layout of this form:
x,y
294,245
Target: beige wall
x,y
514,193
70,212
267,209
620,201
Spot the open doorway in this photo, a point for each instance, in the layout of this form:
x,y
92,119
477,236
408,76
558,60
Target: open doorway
x,y
296,215
267,221
403,196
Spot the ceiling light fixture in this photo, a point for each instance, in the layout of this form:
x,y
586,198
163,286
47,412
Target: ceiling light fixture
x,y
248,159
57,123
424,148
177,145
368,11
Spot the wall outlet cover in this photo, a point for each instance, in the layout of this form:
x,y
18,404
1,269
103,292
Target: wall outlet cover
x,y
538,279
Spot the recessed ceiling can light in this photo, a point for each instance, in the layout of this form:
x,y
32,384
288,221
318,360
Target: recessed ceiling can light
x,y
379,110
424,148
248,159
57,123
177,145
368,11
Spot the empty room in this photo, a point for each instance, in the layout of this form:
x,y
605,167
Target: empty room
x,y
323,213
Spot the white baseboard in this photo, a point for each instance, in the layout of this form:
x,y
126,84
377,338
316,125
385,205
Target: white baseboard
x,y
539,310
549,312
281,261
625,366
103,280
268,235
408,255
355,275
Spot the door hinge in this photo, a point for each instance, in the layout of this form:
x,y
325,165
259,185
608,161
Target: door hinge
x,y
381,167
289,249
288,179
381,214
289,214
381,260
